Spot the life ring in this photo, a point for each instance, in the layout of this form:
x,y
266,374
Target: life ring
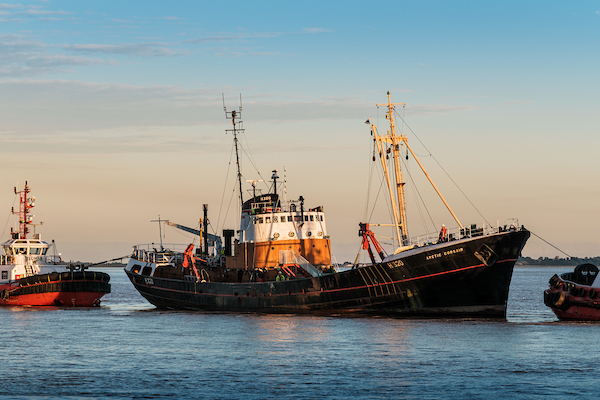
x,y
558,299
291,234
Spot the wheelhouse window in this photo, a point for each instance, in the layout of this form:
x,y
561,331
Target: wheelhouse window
x,y
35,250
146,271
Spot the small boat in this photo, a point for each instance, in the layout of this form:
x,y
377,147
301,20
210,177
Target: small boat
x,y
30,276
575,295
281,262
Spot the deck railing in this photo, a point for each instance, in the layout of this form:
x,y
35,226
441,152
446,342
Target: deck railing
x,y
469,231
170,253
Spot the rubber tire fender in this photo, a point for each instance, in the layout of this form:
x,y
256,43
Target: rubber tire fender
x,y
558,299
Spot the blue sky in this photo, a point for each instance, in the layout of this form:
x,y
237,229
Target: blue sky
x,y
113,110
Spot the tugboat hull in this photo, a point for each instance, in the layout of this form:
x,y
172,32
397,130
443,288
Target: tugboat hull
x,y
67,289
575,296
468,277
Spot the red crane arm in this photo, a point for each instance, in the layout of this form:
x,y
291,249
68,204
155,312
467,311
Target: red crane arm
x,y
367,234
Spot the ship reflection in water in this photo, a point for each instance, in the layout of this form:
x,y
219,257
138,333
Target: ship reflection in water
x,y
128,349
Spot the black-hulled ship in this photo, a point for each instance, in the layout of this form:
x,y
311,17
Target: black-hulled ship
x,y
281,262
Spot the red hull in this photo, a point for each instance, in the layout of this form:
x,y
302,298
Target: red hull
x,y
67,289
573,301
61,299
579,313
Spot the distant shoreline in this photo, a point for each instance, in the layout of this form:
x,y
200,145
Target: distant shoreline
x,y
556,261
543,266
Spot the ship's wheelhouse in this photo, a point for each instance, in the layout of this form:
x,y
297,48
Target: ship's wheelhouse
x,y
266,219
30,247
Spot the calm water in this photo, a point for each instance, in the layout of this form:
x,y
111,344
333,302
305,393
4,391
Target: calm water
x,y
127,349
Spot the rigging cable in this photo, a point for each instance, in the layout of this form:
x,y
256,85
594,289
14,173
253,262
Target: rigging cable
x,y
224,189
8,219
251,159
193,237
418,203
369,182
431,155
547,242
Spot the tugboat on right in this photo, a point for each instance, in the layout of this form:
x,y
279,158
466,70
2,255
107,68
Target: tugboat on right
x,y
574,295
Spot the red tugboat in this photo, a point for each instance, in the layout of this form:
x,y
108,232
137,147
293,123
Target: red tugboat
x,y
31,277
575,295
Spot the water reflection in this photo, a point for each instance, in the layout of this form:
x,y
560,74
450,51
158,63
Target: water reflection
x,y
127,348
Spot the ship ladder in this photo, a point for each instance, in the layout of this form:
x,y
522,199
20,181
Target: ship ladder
x,y
28,270
288,270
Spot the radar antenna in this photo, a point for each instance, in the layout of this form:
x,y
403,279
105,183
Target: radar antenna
x,y
238,127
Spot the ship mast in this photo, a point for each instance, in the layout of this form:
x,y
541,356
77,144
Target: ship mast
x,y
25,204
395,141
237,127
399,212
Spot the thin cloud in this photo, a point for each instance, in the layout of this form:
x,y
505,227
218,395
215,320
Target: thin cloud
x,y
5,6
518,102
317,30
265,53
58,19
437,109
12,36
123,21
45,12
137,49
21,57
233,36
17,44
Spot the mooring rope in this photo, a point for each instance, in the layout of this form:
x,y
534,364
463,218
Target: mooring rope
x,y
547,242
